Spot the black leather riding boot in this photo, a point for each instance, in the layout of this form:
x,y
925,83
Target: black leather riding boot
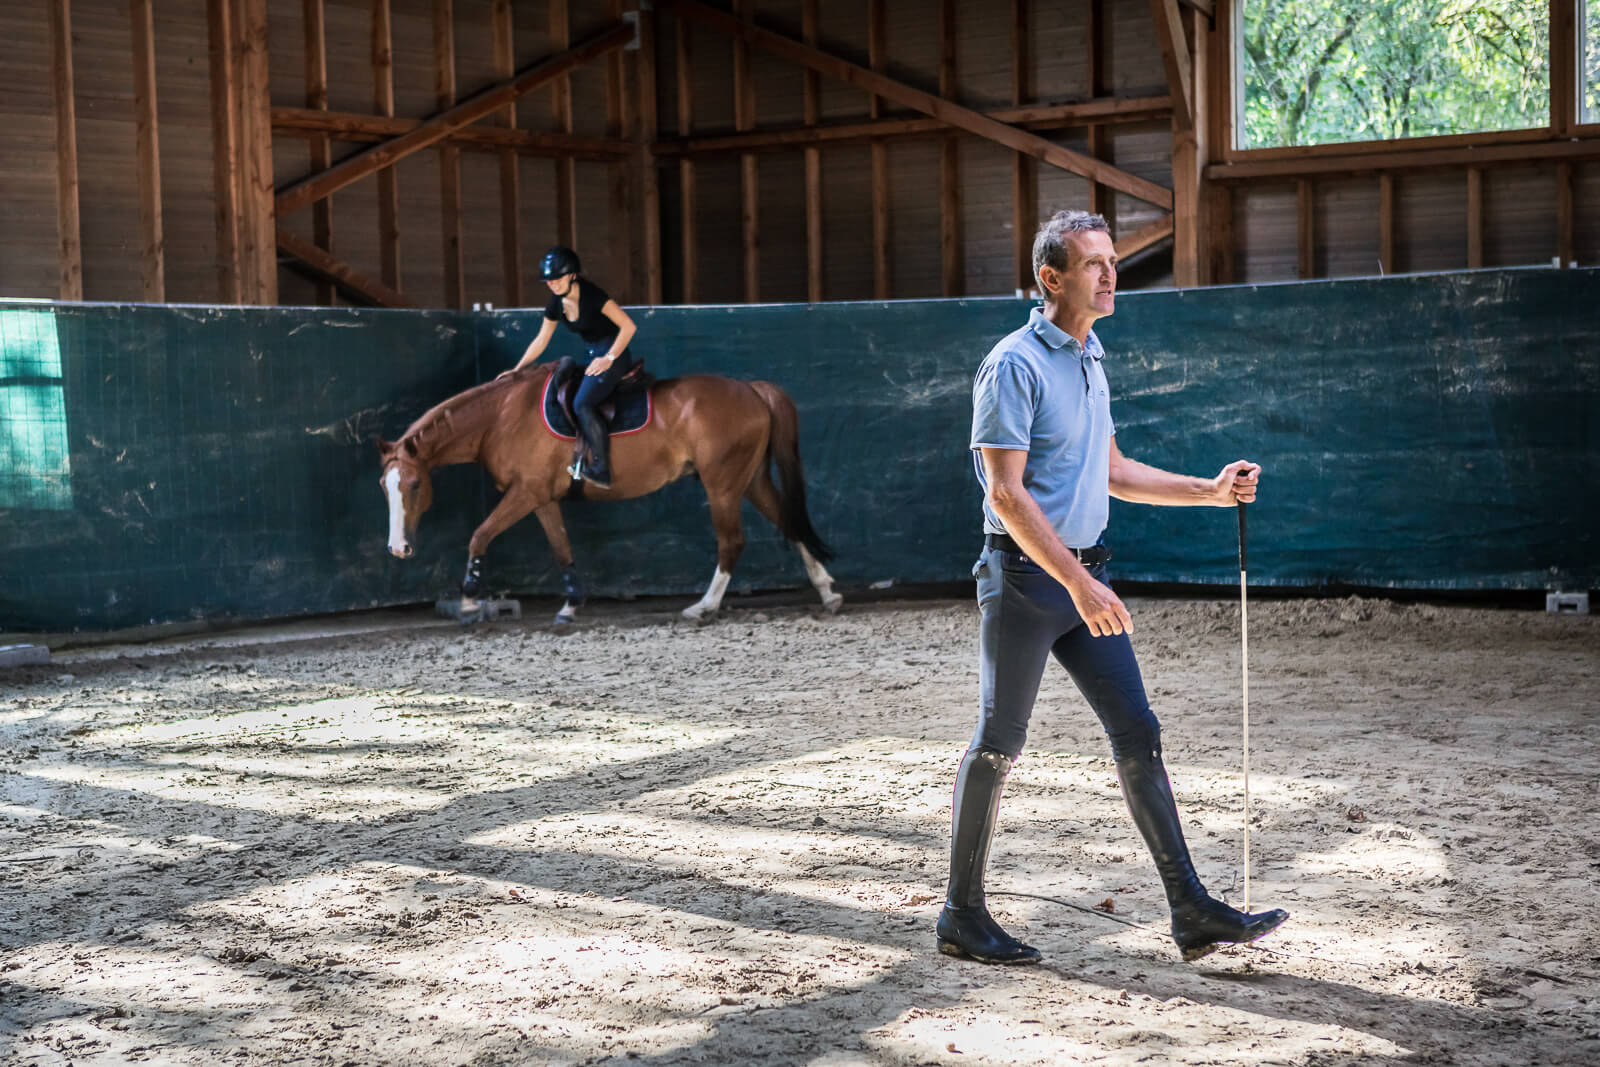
x,y
597,465
1200,924
965,926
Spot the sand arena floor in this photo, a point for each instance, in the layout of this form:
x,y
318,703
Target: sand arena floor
x,y
381,840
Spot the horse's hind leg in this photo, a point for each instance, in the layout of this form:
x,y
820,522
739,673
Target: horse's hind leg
x,y
764,495
555,531
730,544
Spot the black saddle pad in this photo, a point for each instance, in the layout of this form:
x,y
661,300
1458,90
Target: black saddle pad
x,y
627,412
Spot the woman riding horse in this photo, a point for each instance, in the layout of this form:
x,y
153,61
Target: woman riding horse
x,y
589,312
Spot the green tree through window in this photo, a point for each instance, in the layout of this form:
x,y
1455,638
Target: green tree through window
x,y
1589,53
1327,71
34,469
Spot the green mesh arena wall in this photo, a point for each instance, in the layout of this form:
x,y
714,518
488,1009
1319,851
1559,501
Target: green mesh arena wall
x,y
1422,432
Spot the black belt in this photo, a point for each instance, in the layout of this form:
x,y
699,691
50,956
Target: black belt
x,y
1093,556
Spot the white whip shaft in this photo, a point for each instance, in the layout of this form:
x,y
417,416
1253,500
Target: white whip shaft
x,y
1244,640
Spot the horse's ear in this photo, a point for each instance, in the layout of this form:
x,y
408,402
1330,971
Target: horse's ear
x,y
411,448
382,445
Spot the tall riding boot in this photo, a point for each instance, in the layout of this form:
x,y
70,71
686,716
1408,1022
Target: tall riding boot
x,y
965,927
597,467
1200,924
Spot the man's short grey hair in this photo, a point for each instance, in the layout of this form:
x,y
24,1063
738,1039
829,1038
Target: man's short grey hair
x,y
1050,244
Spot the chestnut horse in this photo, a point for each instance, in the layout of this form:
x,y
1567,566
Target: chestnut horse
x,y
728,432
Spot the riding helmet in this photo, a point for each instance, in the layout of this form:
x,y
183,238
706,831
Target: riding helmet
x,y
559,261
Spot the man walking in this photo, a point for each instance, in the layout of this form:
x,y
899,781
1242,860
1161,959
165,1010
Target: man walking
x,y
1048,461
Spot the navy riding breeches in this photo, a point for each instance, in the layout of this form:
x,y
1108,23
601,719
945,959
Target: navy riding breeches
x,y
1029,616
593,389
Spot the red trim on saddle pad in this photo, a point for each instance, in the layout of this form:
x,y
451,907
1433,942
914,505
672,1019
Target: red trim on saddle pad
x,y
544,412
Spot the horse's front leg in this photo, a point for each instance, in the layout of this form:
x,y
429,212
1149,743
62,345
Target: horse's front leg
x,y
555,531
512,507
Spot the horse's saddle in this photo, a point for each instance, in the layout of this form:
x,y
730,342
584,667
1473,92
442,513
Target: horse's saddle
x,y
626,410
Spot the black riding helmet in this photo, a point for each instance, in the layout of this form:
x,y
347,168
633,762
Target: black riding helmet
x,y
558,262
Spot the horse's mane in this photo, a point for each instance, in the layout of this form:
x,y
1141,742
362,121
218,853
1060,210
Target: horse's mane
x,y
469,411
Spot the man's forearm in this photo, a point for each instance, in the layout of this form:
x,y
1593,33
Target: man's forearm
x,y
1028,527
1140,483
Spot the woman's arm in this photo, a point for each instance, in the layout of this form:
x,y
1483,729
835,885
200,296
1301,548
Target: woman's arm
x,y
625,331
537,346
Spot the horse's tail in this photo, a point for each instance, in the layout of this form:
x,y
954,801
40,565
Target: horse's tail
x,y
783,448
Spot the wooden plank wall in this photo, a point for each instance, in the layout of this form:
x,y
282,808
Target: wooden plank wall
x,y
950,214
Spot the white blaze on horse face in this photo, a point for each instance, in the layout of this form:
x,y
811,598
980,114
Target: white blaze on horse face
x,y
397,513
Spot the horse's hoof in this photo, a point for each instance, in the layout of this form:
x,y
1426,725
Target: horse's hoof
x,y
564,619
698,615
832,603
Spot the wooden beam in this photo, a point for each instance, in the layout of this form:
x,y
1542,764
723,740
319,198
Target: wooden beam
x,y
953,114
503,46
1474,217
1497,154
561,113
1386,260
1190,257
1563,54
224,145
1305,229
686,176
322,264
877,56
320,147
1219,219
69,253
1038,116
952,269
1024,180
349,126
444,93
619,212
258,277
388,178
437,127
1564,216
1144,237
744,120
811,94
649,132
1100,200
1176,58
152,271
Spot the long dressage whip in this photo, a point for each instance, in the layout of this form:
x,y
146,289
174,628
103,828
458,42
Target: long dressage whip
x,y
1244,657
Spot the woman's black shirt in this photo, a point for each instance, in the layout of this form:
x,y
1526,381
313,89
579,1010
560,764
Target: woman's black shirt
x,y
591,324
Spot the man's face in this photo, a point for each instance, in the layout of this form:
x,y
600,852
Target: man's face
x,y
1089,283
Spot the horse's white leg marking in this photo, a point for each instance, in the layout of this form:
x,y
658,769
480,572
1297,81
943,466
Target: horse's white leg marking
x,y
821,580
397,514
709,604
568,613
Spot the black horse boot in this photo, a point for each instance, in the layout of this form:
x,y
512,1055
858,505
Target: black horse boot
x,y
597,464
965,926
1200,924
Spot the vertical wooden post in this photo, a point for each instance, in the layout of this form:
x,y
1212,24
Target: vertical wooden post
x,y
69,256
812,94
952,268
444,92
1306,228
152,270
619,212
1563,66
1564,216
1100,201
1386,263
686,175
388,180
1474,217
1185,73
877,57
648,132
505,65
258,242
320,145
1024,183
744,118
561,112
1219,222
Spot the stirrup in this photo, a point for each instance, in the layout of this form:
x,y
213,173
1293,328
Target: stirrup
x,y
576,470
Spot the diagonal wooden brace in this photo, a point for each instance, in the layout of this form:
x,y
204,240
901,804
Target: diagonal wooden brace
x,y
945,111
434,129
321,264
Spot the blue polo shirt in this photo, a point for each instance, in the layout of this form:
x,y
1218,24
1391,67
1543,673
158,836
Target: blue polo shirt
x,y
1039,391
